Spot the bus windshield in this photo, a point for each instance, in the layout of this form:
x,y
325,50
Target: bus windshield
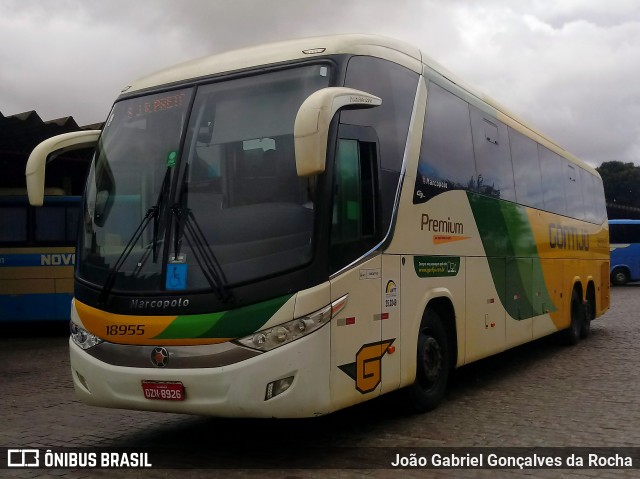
x,y
196,188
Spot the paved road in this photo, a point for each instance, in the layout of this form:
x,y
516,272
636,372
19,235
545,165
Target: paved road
x,y
540,395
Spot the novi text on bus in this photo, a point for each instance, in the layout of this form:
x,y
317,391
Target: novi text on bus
x,y
290,229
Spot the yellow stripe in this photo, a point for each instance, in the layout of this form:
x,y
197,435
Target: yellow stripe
x,y
28,286
444,239
26,272
104,324
64,285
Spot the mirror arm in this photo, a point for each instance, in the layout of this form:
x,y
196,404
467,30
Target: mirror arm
x,y
55,146
311,128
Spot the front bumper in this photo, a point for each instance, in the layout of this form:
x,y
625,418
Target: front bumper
x,y
233,390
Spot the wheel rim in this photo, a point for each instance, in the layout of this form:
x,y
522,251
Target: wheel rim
x,y
432,360
620,277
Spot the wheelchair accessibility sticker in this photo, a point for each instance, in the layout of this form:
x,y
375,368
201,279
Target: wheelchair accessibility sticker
x,y
176,274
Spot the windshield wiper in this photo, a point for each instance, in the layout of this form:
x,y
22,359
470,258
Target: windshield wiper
x,y
164,189
187,226
152,213
108,285
205,257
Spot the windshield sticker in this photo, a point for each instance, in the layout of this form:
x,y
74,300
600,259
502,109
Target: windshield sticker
x,y
176,276
171,159
370,273
391,294
436,266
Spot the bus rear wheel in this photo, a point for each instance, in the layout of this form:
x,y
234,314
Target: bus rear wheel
x,y
433,363
619,277
578,318
589,314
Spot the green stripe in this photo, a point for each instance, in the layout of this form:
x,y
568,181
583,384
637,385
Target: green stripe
x,y
234,323
512,254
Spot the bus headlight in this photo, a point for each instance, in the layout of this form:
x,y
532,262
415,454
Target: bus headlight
x,y
284,333
82,337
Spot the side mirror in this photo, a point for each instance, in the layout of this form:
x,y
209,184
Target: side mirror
x,y
48,150
311,128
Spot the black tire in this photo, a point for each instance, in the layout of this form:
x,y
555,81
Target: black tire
x,y
589,314
433,363
572,334
619,276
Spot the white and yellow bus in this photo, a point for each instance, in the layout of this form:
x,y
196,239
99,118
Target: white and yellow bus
x,y
291,229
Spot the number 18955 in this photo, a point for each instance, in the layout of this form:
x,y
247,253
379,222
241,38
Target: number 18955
x,y
125,329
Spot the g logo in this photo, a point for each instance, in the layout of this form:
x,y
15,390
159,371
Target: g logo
x,y
367,370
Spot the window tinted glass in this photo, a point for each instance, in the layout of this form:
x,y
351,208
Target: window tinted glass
x,y
50,224
353,226
347,218
624,233
589,196
16,216
552,169
526,170
73,217
602,206
493,159
573,191
256,214
396,86
446,155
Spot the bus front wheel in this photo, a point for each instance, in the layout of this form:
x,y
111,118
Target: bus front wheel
x,y
619,277
433,363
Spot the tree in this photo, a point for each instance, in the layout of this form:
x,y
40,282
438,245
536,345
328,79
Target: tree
x,y
621,183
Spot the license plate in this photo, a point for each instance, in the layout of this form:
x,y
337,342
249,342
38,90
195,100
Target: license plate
x,y
163,390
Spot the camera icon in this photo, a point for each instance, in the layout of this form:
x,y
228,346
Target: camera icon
x,y
23,458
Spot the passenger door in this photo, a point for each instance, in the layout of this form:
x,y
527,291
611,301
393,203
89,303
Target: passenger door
x,y
356,346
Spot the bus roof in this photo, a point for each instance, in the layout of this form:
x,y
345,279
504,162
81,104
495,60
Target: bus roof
x,y
354,44
273,53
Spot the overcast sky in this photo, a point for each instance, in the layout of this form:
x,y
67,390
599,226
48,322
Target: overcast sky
x,y
569,67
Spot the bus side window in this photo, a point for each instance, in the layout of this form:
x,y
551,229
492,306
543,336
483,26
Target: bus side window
x,y
446,154
617,233
50,224
73,218
396,85
573,190
353,228
526,170
553,179
492,156
589,196
599,189
16,216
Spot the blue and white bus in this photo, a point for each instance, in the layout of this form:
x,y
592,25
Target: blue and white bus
x,y
624,243
37,257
